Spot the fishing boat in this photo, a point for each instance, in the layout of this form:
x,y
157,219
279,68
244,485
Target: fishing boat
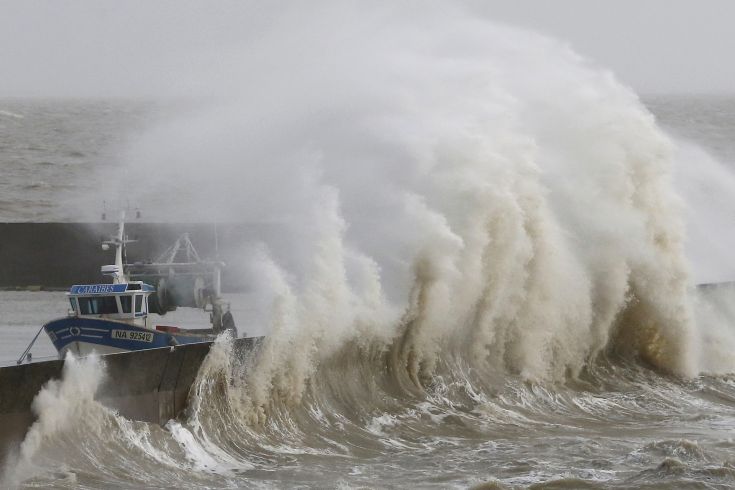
x,y
114,317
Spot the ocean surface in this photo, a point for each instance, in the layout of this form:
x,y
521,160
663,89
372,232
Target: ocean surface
x,y
556,342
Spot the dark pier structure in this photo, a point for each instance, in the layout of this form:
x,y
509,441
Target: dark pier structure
x,y
150,385
57,255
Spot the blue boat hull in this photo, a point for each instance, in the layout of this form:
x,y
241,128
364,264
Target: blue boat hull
x,y
84,335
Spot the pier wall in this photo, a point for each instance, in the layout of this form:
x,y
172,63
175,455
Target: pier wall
x,y
149,385
57,255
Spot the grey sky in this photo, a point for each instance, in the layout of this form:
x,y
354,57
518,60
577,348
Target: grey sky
x,y
652,45
141,48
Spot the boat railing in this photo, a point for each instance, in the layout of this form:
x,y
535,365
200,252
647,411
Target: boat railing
x,y
26,353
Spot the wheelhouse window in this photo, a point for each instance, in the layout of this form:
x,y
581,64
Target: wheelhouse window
x,y
100,305
126,303
138,303
73,304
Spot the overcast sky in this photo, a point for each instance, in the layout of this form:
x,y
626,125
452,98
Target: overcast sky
x,y
139,48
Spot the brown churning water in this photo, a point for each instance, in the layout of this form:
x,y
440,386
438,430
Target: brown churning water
x,y
482,280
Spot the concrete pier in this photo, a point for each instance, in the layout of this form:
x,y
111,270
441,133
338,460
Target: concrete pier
x,y
149,385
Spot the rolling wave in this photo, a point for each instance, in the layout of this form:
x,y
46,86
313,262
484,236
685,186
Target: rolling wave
x,y
482,279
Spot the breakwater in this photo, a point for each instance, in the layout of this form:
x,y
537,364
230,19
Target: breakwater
x,y
57,255
148,385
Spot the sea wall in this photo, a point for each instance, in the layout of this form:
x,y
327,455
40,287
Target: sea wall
x,y
56,255
150,385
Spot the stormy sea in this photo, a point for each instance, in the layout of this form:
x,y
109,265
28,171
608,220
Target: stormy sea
x,y
499,267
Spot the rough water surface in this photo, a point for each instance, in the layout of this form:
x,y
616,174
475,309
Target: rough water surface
x,y
484,277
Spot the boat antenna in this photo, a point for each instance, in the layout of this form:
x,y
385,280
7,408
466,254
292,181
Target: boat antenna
x,y
118,241
120,249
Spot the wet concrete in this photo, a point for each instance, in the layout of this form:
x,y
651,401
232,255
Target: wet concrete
x,y
150,385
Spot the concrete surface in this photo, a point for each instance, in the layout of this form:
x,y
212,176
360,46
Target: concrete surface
x,y
150,385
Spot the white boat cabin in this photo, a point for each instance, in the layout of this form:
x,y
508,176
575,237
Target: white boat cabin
x,y
127,302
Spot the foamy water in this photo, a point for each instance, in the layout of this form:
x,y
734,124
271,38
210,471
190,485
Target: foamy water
x,y
483,277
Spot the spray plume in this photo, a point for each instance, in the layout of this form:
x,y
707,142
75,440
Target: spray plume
x,y
444,185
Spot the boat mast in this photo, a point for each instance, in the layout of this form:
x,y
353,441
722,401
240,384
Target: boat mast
x,y
116,270
119,246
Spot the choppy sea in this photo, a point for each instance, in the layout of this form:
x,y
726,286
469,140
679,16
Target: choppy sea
x,y
373,410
